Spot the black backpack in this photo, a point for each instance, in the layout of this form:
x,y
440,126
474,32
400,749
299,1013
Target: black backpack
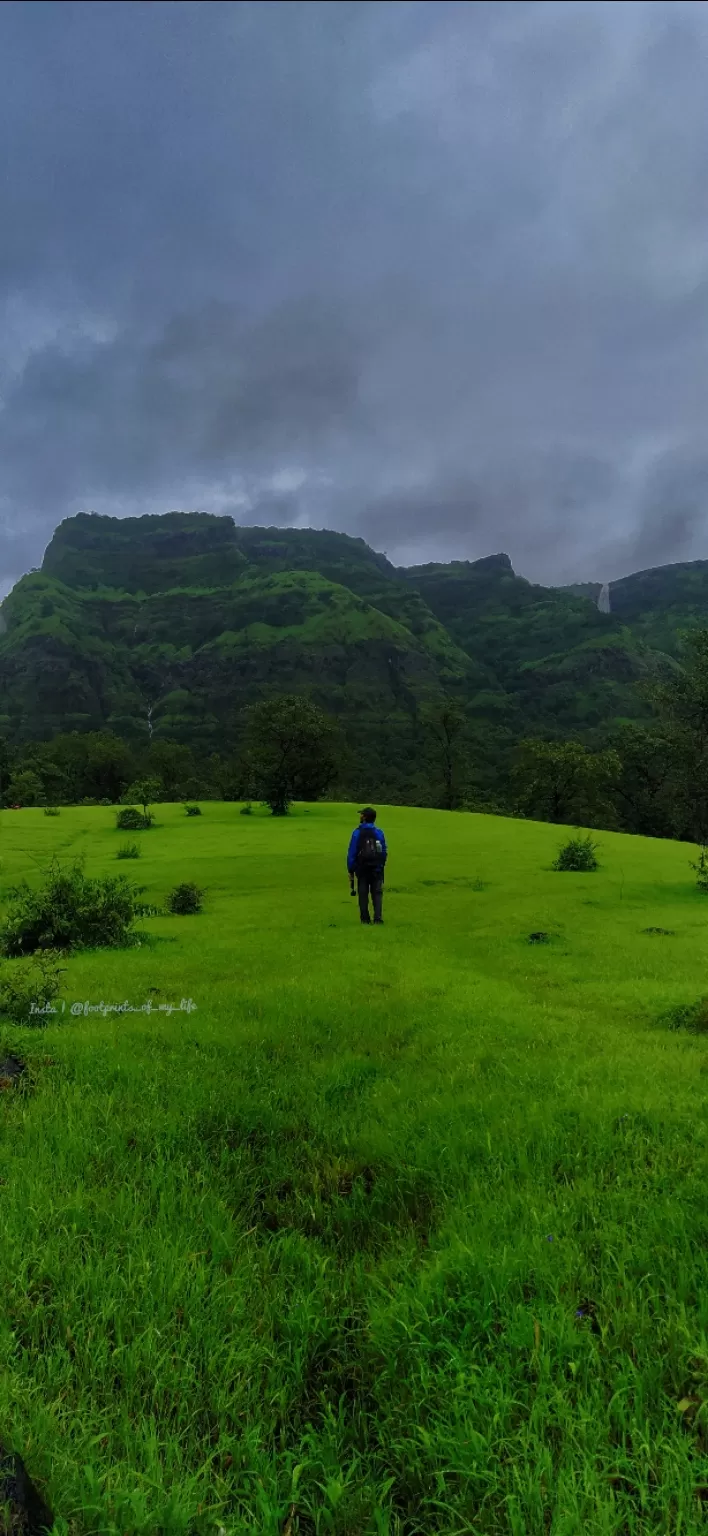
x,y
368,853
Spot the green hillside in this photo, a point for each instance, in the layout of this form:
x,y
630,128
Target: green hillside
x,y
567,667
160,627
173,625
401,1230
660,603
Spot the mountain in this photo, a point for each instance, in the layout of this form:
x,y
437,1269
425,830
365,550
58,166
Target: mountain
x,y
166,627
662,603
564,666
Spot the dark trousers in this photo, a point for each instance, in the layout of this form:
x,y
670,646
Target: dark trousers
x,y
370,881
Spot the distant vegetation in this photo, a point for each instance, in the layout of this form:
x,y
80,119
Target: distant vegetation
x,y
151,658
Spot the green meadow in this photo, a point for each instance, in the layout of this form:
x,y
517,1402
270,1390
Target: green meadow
x,y
394,1233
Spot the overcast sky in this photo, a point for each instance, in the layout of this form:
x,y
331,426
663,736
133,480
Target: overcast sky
x,y
435,274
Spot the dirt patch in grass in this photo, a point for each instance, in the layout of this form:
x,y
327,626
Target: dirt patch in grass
x,y
689,1016
23,1511
11,1071
351,1207
586,1316
283,1177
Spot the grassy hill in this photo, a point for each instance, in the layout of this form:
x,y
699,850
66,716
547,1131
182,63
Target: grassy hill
x,y
405,1229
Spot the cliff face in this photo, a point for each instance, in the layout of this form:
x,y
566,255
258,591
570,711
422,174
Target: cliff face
x,y
144,554
191,618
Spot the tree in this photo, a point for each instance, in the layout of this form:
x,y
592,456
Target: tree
x,y
109,766
144,791
77,765
643,788
446,752
290,751
561,781
172,764
25,788
682,704
223,776
7,758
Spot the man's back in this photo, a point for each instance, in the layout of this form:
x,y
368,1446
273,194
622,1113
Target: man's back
x,y
366,859
371,831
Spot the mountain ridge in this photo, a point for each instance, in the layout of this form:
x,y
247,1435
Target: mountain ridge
x,y
175,622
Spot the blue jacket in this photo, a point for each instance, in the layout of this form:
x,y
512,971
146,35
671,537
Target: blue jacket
x,y
354,844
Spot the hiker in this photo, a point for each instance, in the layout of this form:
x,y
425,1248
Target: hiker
x,y
365,859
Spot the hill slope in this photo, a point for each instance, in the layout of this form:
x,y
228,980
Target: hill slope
x,y
566,666
168,626
418,1211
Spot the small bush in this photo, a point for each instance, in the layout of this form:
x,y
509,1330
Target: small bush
x,y
246,810
579,853
185,899
51,810
193,810
69,911
701,867
691,1016
128,851
130,819
105,801
29,986
89,800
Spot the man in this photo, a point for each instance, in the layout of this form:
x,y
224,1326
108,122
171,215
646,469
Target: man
x,y
366,859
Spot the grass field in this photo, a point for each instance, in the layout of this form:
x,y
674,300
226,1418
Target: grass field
x,y
399,1232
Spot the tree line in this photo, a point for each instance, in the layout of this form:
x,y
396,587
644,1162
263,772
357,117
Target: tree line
x,y
648,779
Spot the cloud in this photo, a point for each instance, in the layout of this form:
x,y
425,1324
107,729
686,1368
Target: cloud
x,y
433,273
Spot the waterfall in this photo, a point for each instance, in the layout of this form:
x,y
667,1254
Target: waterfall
x,y
603,601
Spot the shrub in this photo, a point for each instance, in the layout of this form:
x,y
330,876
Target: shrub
x,y
193,810
29,986
691,1016
51,810
105,801
185,899
246,810
69,911
579,853
130,819
128,851
701,868
88,800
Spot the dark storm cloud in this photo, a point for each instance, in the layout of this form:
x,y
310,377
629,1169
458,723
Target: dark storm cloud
x,y
433,273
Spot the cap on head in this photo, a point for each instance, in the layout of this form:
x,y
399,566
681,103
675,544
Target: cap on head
x,y
368,814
